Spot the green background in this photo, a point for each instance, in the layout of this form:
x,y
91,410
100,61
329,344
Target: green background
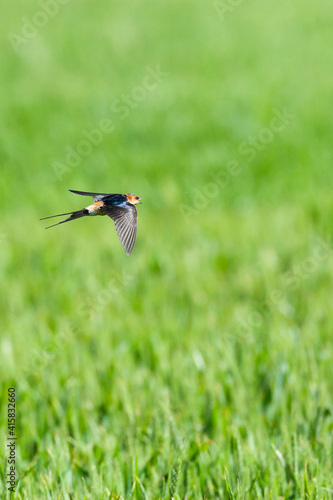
x,y
201,365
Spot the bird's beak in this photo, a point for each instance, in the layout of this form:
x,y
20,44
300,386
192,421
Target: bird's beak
x,y
140,201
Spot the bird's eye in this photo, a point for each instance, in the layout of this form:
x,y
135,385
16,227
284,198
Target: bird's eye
x,y
136,197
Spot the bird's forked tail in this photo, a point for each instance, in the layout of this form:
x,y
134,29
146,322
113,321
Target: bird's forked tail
x,y
73,215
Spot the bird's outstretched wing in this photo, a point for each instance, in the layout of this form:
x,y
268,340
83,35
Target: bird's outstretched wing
x,y
126,221
96,196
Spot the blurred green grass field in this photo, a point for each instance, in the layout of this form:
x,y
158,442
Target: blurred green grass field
x,y
201,365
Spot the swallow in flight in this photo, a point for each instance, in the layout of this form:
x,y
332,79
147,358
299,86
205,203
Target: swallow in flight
x,y
120,207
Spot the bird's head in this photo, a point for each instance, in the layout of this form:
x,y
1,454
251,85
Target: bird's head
x,y
133,199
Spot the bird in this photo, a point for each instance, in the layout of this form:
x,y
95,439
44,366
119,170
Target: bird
x,y
119,207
